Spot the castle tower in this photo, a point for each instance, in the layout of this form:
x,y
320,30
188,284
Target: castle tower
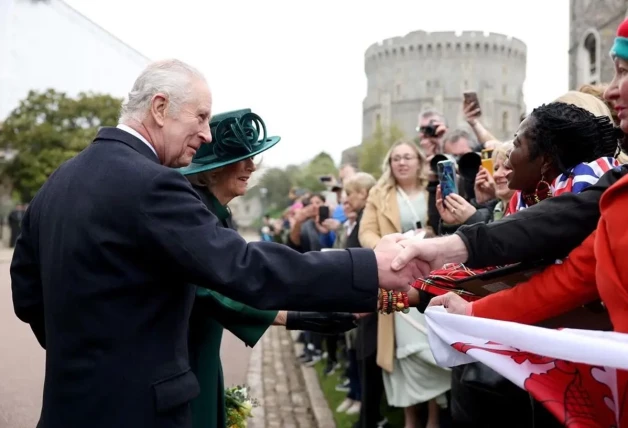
x,y
431,70
592,28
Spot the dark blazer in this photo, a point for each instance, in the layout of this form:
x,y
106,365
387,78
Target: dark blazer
x,y
352,239
102,270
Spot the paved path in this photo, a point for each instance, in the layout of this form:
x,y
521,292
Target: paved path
x,y
21,361
276,380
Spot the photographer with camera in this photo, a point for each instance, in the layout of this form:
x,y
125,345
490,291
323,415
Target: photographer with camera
x,y
431,128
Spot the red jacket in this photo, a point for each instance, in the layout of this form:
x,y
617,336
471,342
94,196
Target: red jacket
x,y
595,269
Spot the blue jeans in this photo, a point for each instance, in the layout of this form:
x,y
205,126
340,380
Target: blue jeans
x,y
355,386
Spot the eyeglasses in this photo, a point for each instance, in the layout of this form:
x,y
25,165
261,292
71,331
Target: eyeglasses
x,y
407,158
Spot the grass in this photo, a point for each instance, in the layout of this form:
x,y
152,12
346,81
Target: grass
x,y
334,398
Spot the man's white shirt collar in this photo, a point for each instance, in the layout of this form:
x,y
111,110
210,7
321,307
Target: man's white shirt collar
x,y
136,134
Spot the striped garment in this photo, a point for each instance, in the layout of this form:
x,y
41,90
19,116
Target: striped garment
x,y
575,180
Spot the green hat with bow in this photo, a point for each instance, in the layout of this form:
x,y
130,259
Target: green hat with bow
x,y
236,136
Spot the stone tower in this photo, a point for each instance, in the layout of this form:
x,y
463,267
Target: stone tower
x,y
431,70
592,28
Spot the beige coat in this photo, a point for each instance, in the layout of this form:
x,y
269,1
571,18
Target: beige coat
x,y
380,218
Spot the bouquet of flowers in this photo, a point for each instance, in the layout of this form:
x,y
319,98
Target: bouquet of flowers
x,y
239,406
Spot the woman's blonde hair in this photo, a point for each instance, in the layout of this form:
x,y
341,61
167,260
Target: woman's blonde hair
x,y
503,150
586,101
387,180
598,92
360,181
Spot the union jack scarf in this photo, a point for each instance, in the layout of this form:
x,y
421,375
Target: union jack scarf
x,y
575,180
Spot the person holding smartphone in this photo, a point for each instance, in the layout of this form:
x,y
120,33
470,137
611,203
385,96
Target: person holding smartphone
x,y
398,203
472,112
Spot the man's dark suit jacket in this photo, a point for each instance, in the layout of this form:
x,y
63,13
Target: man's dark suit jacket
x,y
101,273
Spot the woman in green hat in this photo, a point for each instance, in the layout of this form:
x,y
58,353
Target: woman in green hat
x,y
220,172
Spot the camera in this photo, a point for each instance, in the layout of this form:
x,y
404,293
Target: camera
x,y
430,129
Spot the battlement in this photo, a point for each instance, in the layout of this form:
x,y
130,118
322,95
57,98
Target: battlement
x,y
446,44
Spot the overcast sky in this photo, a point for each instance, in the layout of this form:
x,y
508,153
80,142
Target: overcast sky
x,y
300,65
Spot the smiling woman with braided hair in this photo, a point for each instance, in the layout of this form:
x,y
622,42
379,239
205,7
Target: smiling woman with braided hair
x,y
558,148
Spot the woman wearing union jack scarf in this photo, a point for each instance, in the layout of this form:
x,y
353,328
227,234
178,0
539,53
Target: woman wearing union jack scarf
x,y
596,269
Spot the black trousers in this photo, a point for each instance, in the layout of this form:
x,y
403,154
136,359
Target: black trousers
x,y
475,405
372,391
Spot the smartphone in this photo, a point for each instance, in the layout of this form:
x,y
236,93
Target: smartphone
x,y
325,178
447,177
323,213
471,97
487,160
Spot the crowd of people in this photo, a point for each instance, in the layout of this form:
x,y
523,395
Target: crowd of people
x,y
563,146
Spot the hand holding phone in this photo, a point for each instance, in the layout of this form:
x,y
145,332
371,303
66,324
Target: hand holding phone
x,y
487,160
471,105
323,213
447,177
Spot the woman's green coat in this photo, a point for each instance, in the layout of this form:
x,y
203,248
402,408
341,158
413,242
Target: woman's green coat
x,y
212,313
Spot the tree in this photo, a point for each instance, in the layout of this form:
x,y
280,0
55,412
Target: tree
x,y
47,129
278,183
321,164
373,150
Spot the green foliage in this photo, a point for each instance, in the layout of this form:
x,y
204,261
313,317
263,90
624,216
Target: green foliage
x,y
47,129
278,182
373,150
308,178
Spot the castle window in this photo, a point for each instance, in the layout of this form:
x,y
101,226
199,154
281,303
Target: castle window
x,y
411,48
458,47
591,48
378,121
505,121
504,90
588,58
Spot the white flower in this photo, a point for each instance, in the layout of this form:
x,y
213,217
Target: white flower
x,y
247,407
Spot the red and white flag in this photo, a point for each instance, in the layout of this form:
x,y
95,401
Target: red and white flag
x,y
579,375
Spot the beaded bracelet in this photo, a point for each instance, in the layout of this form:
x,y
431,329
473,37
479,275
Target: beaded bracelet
x,y
393,301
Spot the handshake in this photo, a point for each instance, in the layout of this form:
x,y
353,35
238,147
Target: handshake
x,y
401,260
